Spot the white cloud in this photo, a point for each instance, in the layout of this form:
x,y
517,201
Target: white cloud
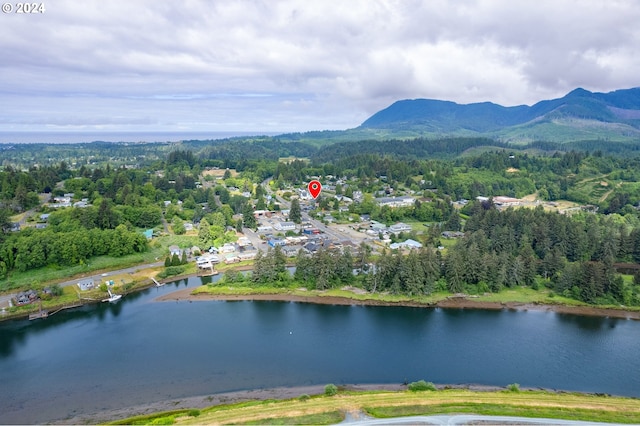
x,y
299,65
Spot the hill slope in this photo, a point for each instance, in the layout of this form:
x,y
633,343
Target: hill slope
x,y
579,115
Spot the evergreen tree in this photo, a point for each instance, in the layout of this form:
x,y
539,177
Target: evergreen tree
x,y
279,261
295,214
362,260
107,218
454,267
344,266
304,270
204,233
248,218
453,224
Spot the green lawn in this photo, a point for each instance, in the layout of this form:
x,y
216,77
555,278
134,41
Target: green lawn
x,y
158,250
322,409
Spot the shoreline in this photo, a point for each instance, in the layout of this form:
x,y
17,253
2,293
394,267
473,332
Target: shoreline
x,y
451,302
448,303
276,393
205,401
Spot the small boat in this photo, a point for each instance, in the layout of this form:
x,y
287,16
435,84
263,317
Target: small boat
x,y
113,297
157,283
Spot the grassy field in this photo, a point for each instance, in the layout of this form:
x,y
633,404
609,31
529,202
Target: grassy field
x,y
325,409
298,291
517,294
37,278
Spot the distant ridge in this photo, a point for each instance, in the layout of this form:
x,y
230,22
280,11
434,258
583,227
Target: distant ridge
x,y
580,115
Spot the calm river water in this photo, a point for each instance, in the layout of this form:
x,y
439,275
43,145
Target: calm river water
x,y
139,351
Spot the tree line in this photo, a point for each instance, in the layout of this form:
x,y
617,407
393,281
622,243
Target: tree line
x,y
500,249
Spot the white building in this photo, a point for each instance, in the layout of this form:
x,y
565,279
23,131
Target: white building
x,y
404,201
207,261
408,244
501,201
399,227
227,248
285,226
244,241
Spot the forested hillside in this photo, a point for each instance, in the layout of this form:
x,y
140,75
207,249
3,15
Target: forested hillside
x,y
577,116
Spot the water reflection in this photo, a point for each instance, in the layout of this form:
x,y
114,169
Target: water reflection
x,y
15,332
138,351
588,323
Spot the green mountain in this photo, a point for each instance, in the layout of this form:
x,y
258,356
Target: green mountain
x,y
580,115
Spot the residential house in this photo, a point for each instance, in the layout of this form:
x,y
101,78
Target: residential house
x,y
175,250
311,247
290,251
296,240
404,201
377,226
328,218
227,248
207,261
399,227
243,242
274,242
452,234
26,297
248,255
408,244
85,285
231,258
506,201
60,202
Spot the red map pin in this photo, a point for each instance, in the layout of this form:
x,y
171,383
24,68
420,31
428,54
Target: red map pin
x,y
314,188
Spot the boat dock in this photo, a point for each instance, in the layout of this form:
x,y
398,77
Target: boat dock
x,y
39,314
45,314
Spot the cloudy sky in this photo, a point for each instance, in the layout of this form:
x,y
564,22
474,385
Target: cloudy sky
x,y
297,65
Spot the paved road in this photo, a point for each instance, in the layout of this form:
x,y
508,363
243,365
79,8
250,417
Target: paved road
x,y
335,232
460,419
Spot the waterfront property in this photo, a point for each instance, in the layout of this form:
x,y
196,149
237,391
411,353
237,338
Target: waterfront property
x,y
86,284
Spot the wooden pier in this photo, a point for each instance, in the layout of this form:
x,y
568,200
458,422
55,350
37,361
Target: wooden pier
x,y
45,314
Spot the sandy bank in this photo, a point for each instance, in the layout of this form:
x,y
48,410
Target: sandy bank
x,y
450,303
